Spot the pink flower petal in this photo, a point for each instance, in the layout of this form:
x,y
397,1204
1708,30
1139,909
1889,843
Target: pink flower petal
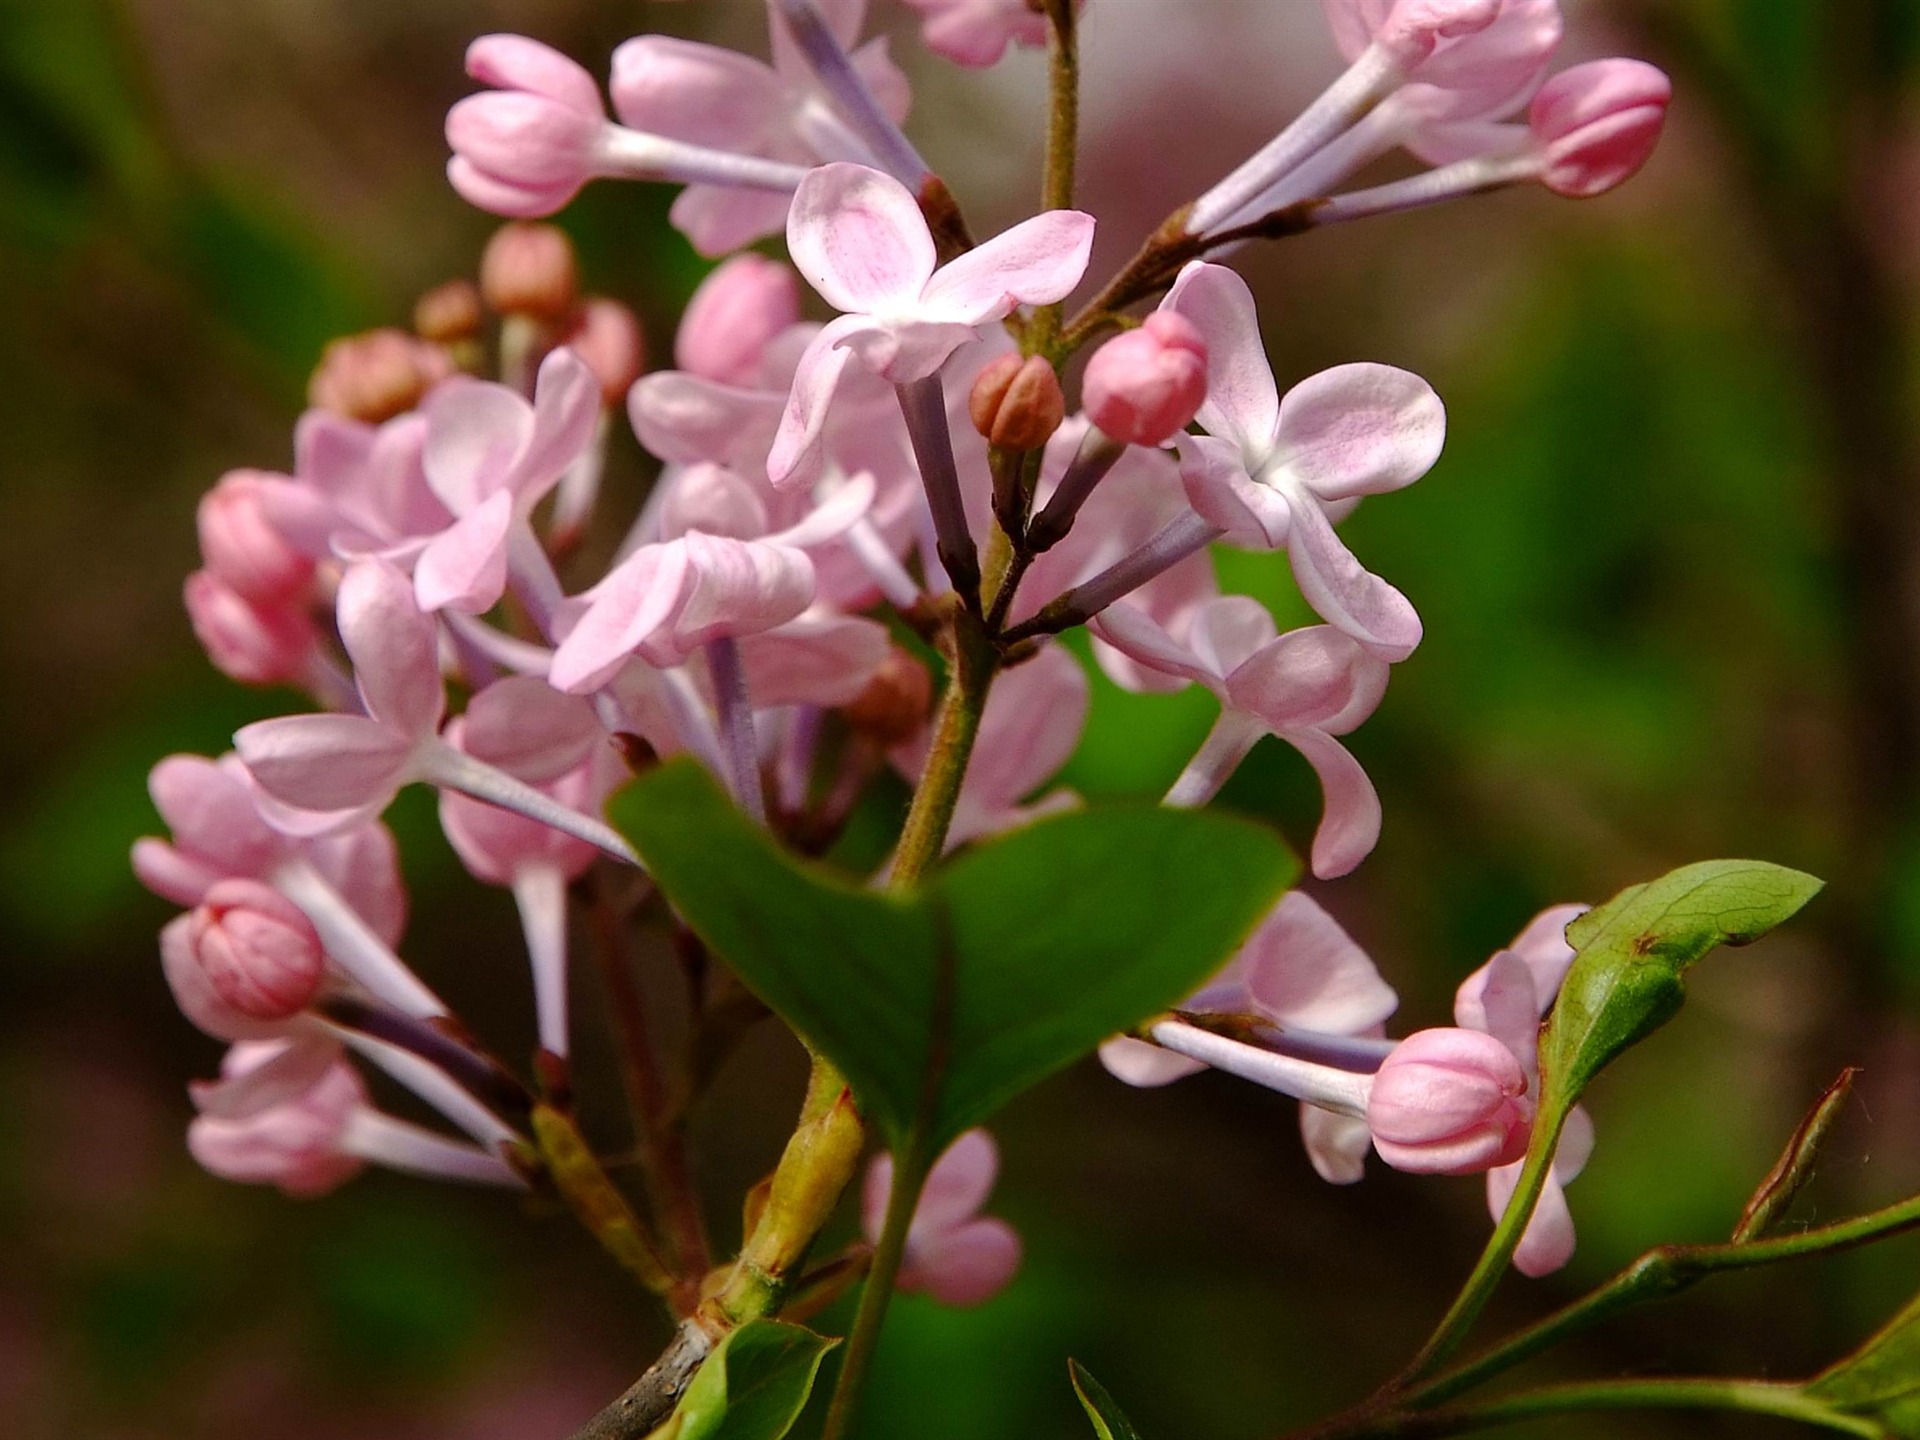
x,y
958,1184
1343,592
1337,1145
476,433
1135,1062
795,461
394,648
1214,472
704,94
1136,635
626,607
1548,1241
1302,970
464,568
860,240
1035,262
513,62
530,730
1227,631
1361,430
325,762
1243,403
1350,820
1499,999
684,419
818,658
1301,680
969,1266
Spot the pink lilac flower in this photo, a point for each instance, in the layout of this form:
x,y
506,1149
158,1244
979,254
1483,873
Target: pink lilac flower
x,y
1302,972
1507,998
270,642
954,1254
733,316
708,96
1279,472
1450,1102
527,146
860,240
1029,729
1306,687
357,490
976,33
255,949
243,547
1144,387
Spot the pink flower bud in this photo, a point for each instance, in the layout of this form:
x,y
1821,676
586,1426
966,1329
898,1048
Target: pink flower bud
x,y
448,312
1449,1102
294,1144
608,337
1596,124
1144,386
1016,404
257,949
529,269
241,546
732,317
376,376
527,146
254,644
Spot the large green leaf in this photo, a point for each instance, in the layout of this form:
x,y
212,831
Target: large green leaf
x,y
1881,1380
942,1004
754,1386
1634,951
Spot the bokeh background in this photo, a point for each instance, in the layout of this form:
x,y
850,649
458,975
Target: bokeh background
x,y
1669,566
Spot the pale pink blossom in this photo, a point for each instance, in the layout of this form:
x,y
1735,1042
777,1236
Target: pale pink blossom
x,y
1596,124
527,146
1144,386
976,33
1030,728
733,316
1433,40
954,1253
490,457
860,240
1279,472
1306,687
357,490
241,545
271,642
1507,998
1450,1102
712,97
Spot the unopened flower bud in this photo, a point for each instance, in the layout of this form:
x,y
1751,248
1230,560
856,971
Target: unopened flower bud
x,y
297,1144
731,318
895,704
1016,404
240,544
529,269
1596,124
608,337
1449,1102
376,376
257,949
448,313
527,146
1144,386
256,644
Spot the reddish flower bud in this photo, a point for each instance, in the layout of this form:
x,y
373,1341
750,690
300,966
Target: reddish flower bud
x,y
242,547
731,318
376,376
608,337
528,269
255,644
1596,124
1449,1102
257,949
1016,404
1144,386
449,313
895,704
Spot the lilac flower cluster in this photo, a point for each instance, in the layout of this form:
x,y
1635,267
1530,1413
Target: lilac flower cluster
x,y
821,482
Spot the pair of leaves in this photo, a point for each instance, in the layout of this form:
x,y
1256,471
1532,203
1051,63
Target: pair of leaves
x,y
943,1003
753,1387
1628,977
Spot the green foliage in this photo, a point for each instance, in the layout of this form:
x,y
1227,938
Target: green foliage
x,y
1634,951
942,1004
754,1386
1108,1422
1881,1380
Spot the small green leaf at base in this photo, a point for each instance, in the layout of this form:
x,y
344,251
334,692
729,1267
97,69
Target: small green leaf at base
x,y
943,1003
754,1386
1881,1380
1108,1422
1628,977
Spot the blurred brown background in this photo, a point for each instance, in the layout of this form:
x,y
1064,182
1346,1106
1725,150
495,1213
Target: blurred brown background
x,y
1668,569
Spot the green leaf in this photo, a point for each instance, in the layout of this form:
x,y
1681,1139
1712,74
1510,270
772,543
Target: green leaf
x,y
1881,1380
1628,977
942,1004
754,1386
1108,1422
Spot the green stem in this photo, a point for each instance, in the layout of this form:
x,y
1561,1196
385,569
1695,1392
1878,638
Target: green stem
x,y
1505,1239
1655,1276
1063,144
1752,1397
972,661
909,1175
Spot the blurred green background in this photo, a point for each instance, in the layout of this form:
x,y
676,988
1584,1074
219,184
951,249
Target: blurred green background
x,y
1669,567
